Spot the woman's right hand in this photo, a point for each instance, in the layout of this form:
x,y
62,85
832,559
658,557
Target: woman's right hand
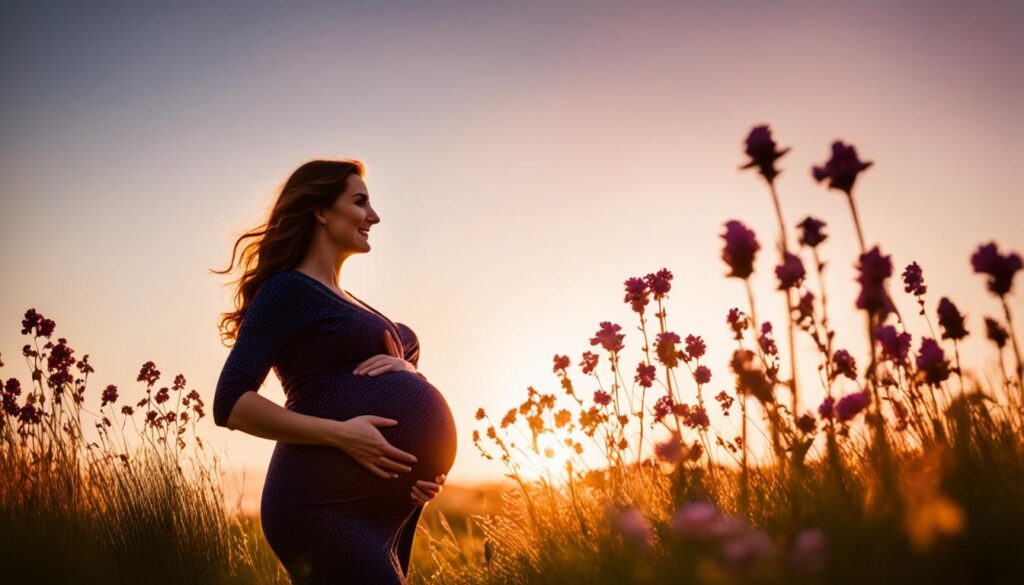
x,y
360,438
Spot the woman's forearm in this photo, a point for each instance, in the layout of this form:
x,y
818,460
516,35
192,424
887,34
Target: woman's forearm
x,y
256,415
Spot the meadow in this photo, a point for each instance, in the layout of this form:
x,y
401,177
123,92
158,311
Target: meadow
x,y
917,476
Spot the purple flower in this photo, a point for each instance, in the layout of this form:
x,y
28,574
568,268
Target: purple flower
x,y
637,294
895,346
1001,269
874,269
702,375
913,280
791,272
609,337
740,248
951,321
748,550
659,283
809,551
842,169
851,405
810,232
696,519
763,152
931,360
827,409
844,364
995,332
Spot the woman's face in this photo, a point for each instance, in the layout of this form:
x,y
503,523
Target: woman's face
x,y
350,219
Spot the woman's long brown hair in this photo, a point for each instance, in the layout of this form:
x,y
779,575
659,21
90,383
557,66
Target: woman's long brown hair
x,y
281,242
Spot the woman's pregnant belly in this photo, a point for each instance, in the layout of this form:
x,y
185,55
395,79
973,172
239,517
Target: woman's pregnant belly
x,y
317,474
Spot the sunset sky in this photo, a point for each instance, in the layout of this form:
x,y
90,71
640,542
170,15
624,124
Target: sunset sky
x,y
524,159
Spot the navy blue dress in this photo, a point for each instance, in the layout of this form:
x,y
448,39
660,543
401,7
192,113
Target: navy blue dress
x,y
328,518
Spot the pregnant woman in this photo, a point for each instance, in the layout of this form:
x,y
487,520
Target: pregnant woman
x,y
364,440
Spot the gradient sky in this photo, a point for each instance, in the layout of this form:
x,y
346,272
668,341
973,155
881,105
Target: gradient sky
x,y
525,160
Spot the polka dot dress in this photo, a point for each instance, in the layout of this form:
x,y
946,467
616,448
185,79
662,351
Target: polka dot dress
x,y
328,518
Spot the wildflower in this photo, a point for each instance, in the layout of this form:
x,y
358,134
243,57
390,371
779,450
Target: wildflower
x,y
662,407
702,375
725,401
803,312
851,405
645,374
750,379
809,550
842,169
609,337
695,519
806,423
844,364
737,320
696,418
671,450
562,418
895,346
995,332
827,408
637,294
695,347
874,269
509,418
127,410
931,360
1001,269
42,326
748,550
766,341
810,232
791,272
660,283
109,395
13,387
603,398
913,280
30,415
179,382
740,248
162,395
561,363
589,362
59,363
633,527
148,374
763,152
665,345
480,414
951,321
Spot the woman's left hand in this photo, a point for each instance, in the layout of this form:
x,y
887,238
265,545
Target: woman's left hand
x,y
392,361
424,491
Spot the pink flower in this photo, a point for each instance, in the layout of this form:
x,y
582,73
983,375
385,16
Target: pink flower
x,y
695,519
589,362
748,550
842,169
702,375
633,527
645,375
603,398
809,550
609,337
660,283
895,346
662,407
695,347
827,408
637,294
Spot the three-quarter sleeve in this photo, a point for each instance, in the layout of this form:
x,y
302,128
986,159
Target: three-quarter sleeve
x,y
267,325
